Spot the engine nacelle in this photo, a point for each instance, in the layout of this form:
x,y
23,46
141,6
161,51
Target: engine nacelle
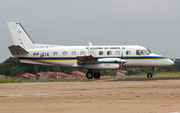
x,y
106,63
111,60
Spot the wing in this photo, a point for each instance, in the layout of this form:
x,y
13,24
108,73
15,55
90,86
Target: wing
x,y
81,60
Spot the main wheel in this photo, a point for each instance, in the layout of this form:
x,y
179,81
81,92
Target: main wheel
x,y
89,75
97,75
149,75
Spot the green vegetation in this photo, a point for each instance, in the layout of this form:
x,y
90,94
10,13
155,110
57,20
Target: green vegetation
x,y
12,67
11,80
51,80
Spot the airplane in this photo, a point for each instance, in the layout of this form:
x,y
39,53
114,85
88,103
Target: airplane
x,y
93,58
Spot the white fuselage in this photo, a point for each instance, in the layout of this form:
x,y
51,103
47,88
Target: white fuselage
x,y
66,56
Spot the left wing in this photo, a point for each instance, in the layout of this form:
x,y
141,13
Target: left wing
x,y
81,60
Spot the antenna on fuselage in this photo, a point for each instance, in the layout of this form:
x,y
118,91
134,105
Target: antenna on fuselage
x,y
90,44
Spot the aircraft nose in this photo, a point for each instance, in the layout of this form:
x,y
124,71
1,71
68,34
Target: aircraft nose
x,y
170,62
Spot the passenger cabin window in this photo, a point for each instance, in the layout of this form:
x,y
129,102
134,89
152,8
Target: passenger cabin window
x,y
73,53
128,52
91,52
117,52
100,52
55,53
64,53
109,52
82,53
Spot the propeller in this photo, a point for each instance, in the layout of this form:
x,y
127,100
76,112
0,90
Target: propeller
x,y
122,61
121,65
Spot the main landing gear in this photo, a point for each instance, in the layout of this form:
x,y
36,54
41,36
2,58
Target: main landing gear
x,y
150,75
90,74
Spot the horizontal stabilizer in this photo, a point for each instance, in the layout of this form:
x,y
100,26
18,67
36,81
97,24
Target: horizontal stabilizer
x,y
16,49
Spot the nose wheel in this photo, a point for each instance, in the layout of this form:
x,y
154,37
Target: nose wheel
x,y
149,75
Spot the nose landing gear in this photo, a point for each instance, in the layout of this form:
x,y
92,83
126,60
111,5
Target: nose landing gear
x,y
150,75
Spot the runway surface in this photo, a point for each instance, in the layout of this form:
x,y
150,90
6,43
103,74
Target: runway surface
x,y
136,96
142,79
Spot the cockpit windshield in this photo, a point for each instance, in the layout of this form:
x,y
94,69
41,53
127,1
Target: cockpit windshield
x,y
147,51
143,52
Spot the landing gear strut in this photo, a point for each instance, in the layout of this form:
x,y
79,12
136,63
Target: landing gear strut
x,y
93,73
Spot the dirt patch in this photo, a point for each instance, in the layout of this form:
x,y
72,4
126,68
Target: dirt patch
x,y
123,96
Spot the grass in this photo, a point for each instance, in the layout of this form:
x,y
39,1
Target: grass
x,y
7,80
51,80
12,80
65,80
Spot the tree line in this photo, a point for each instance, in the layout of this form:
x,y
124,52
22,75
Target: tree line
x,y
12,67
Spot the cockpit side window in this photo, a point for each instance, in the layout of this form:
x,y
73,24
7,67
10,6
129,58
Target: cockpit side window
x,y
141,52
137,52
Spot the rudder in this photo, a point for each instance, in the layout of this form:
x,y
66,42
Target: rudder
x,y
19,35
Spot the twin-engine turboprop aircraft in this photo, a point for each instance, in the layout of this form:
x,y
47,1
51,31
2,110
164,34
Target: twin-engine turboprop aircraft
x,y
93,58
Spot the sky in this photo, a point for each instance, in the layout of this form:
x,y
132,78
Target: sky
x,y
154,24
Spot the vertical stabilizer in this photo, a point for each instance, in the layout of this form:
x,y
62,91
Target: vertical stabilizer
x,y
19,35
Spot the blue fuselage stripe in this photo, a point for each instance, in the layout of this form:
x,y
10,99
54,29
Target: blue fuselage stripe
x,y
130,57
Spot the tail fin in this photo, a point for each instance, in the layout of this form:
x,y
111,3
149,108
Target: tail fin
x,y
19,35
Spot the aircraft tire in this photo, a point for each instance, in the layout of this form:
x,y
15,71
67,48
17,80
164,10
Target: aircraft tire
x,y
149,75
89,75
97,75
